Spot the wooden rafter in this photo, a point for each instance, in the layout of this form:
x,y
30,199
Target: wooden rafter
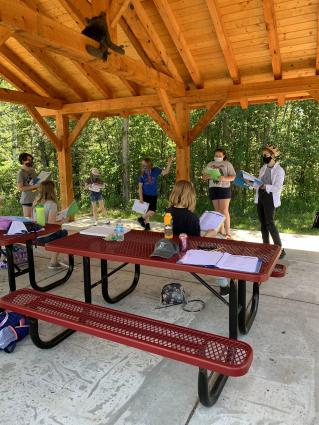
x,y
47,33
149,28
170,113
116,11
78,128
78,10
14,96
94,78
54,68
281,100
98,6
244,103
206,119
273,40
152,112
44,127
224,42
4,35
317,55
43,86
132,87
14,80
174,30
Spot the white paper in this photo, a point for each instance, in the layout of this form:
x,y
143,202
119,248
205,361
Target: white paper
x,y
239,263
102,231
256,182
95,187
44,175
200,257
16,228
140,207
211,220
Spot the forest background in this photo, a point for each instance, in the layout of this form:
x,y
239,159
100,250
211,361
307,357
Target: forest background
x,y
116,145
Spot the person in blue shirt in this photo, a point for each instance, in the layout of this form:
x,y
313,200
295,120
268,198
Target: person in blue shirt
x,y
147,188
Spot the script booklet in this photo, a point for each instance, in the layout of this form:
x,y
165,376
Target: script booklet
x,y
211,220
72,209
213,173
140,207
221,260
43,176
247,180
102,231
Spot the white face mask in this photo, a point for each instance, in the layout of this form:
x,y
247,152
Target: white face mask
x,y
218,159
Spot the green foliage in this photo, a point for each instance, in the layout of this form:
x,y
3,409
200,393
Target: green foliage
x,y
293,128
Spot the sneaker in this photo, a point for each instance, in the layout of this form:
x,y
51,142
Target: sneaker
x,y
57,266
147,226
141,221
95,223
224,291
283,254
107,222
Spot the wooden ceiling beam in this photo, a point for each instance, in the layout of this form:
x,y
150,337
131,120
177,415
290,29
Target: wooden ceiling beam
x,y
14,80
93,76
273,40
317,55
44,127
44,32
78,128
152,33
14,96
5,34
224,41
116,11
98,6
281,100
170,114
174,30
43,86
244,103
133,88
206,119
78,10
152,112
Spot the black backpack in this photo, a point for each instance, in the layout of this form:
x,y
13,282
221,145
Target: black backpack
x,y
316,221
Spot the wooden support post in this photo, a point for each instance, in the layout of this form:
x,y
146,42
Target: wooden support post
x,y
183,148
64,161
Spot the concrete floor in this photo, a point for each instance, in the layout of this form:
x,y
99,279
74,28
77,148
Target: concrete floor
x,y
88,381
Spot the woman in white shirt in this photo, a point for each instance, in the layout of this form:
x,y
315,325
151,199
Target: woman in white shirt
x,y
267,196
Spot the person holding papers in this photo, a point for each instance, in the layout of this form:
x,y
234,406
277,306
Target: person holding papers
x,y
182,202
148,186
47,197
267,196
94,185
25,176
220,173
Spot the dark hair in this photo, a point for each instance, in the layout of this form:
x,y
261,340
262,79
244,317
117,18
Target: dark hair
x,y
222,151
24,156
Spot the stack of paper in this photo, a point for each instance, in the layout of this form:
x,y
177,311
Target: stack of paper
x,y
43,176
102,231
211,220
140,207
221,260
247,180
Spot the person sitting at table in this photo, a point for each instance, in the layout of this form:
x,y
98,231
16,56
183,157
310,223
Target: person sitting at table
x,y
47,197
182,203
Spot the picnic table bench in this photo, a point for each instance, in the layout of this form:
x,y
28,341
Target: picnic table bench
x,y
225,357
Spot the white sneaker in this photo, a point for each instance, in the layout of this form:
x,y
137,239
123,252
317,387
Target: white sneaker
x,y
57,266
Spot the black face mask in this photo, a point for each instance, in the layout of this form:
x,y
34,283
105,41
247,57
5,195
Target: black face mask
x,y
266,159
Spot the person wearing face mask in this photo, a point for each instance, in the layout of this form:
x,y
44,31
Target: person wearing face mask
x,y
219,190
25,177
147,188
267,196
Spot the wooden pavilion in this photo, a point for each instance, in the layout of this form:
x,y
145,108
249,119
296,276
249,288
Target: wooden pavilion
x,y
179,55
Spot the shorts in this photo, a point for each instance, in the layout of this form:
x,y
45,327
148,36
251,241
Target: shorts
x,y
27,205
152,200
95,196
219,193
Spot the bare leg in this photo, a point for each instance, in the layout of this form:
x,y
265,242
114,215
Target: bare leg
x,y
224,209
54,258
148,215
94,211
218,208
102,207
27,211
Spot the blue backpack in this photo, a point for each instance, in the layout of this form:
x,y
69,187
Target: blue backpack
x,y
13,328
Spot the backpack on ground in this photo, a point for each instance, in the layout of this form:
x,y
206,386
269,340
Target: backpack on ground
x,y
13,328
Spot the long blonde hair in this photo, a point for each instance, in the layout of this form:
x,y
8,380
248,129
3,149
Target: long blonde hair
x,y
46,193
183,195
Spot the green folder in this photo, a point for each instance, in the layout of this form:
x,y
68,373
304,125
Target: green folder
x,y
73,209
213,173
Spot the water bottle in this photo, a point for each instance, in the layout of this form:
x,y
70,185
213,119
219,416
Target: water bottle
x,y
39,215
168,226
119,231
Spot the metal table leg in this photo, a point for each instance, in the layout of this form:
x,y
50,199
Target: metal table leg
x,y
247,313
87,280
38,341
11,272
105,282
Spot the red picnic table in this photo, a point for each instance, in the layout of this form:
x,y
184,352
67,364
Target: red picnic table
x,y
136,249
28,239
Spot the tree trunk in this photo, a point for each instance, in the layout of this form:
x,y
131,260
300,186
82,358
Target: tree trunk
x,y
125,149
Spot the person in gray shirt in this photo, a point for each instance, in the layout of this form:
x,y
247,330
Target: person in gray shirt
x,y
25,185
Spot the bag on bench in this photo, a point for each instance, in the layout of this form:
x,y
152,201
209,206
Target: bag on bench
x,y
13,328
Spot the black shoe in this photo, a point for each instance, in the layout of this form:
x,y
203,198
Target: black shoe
x,y
283,254
141,221
147,226
224,291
